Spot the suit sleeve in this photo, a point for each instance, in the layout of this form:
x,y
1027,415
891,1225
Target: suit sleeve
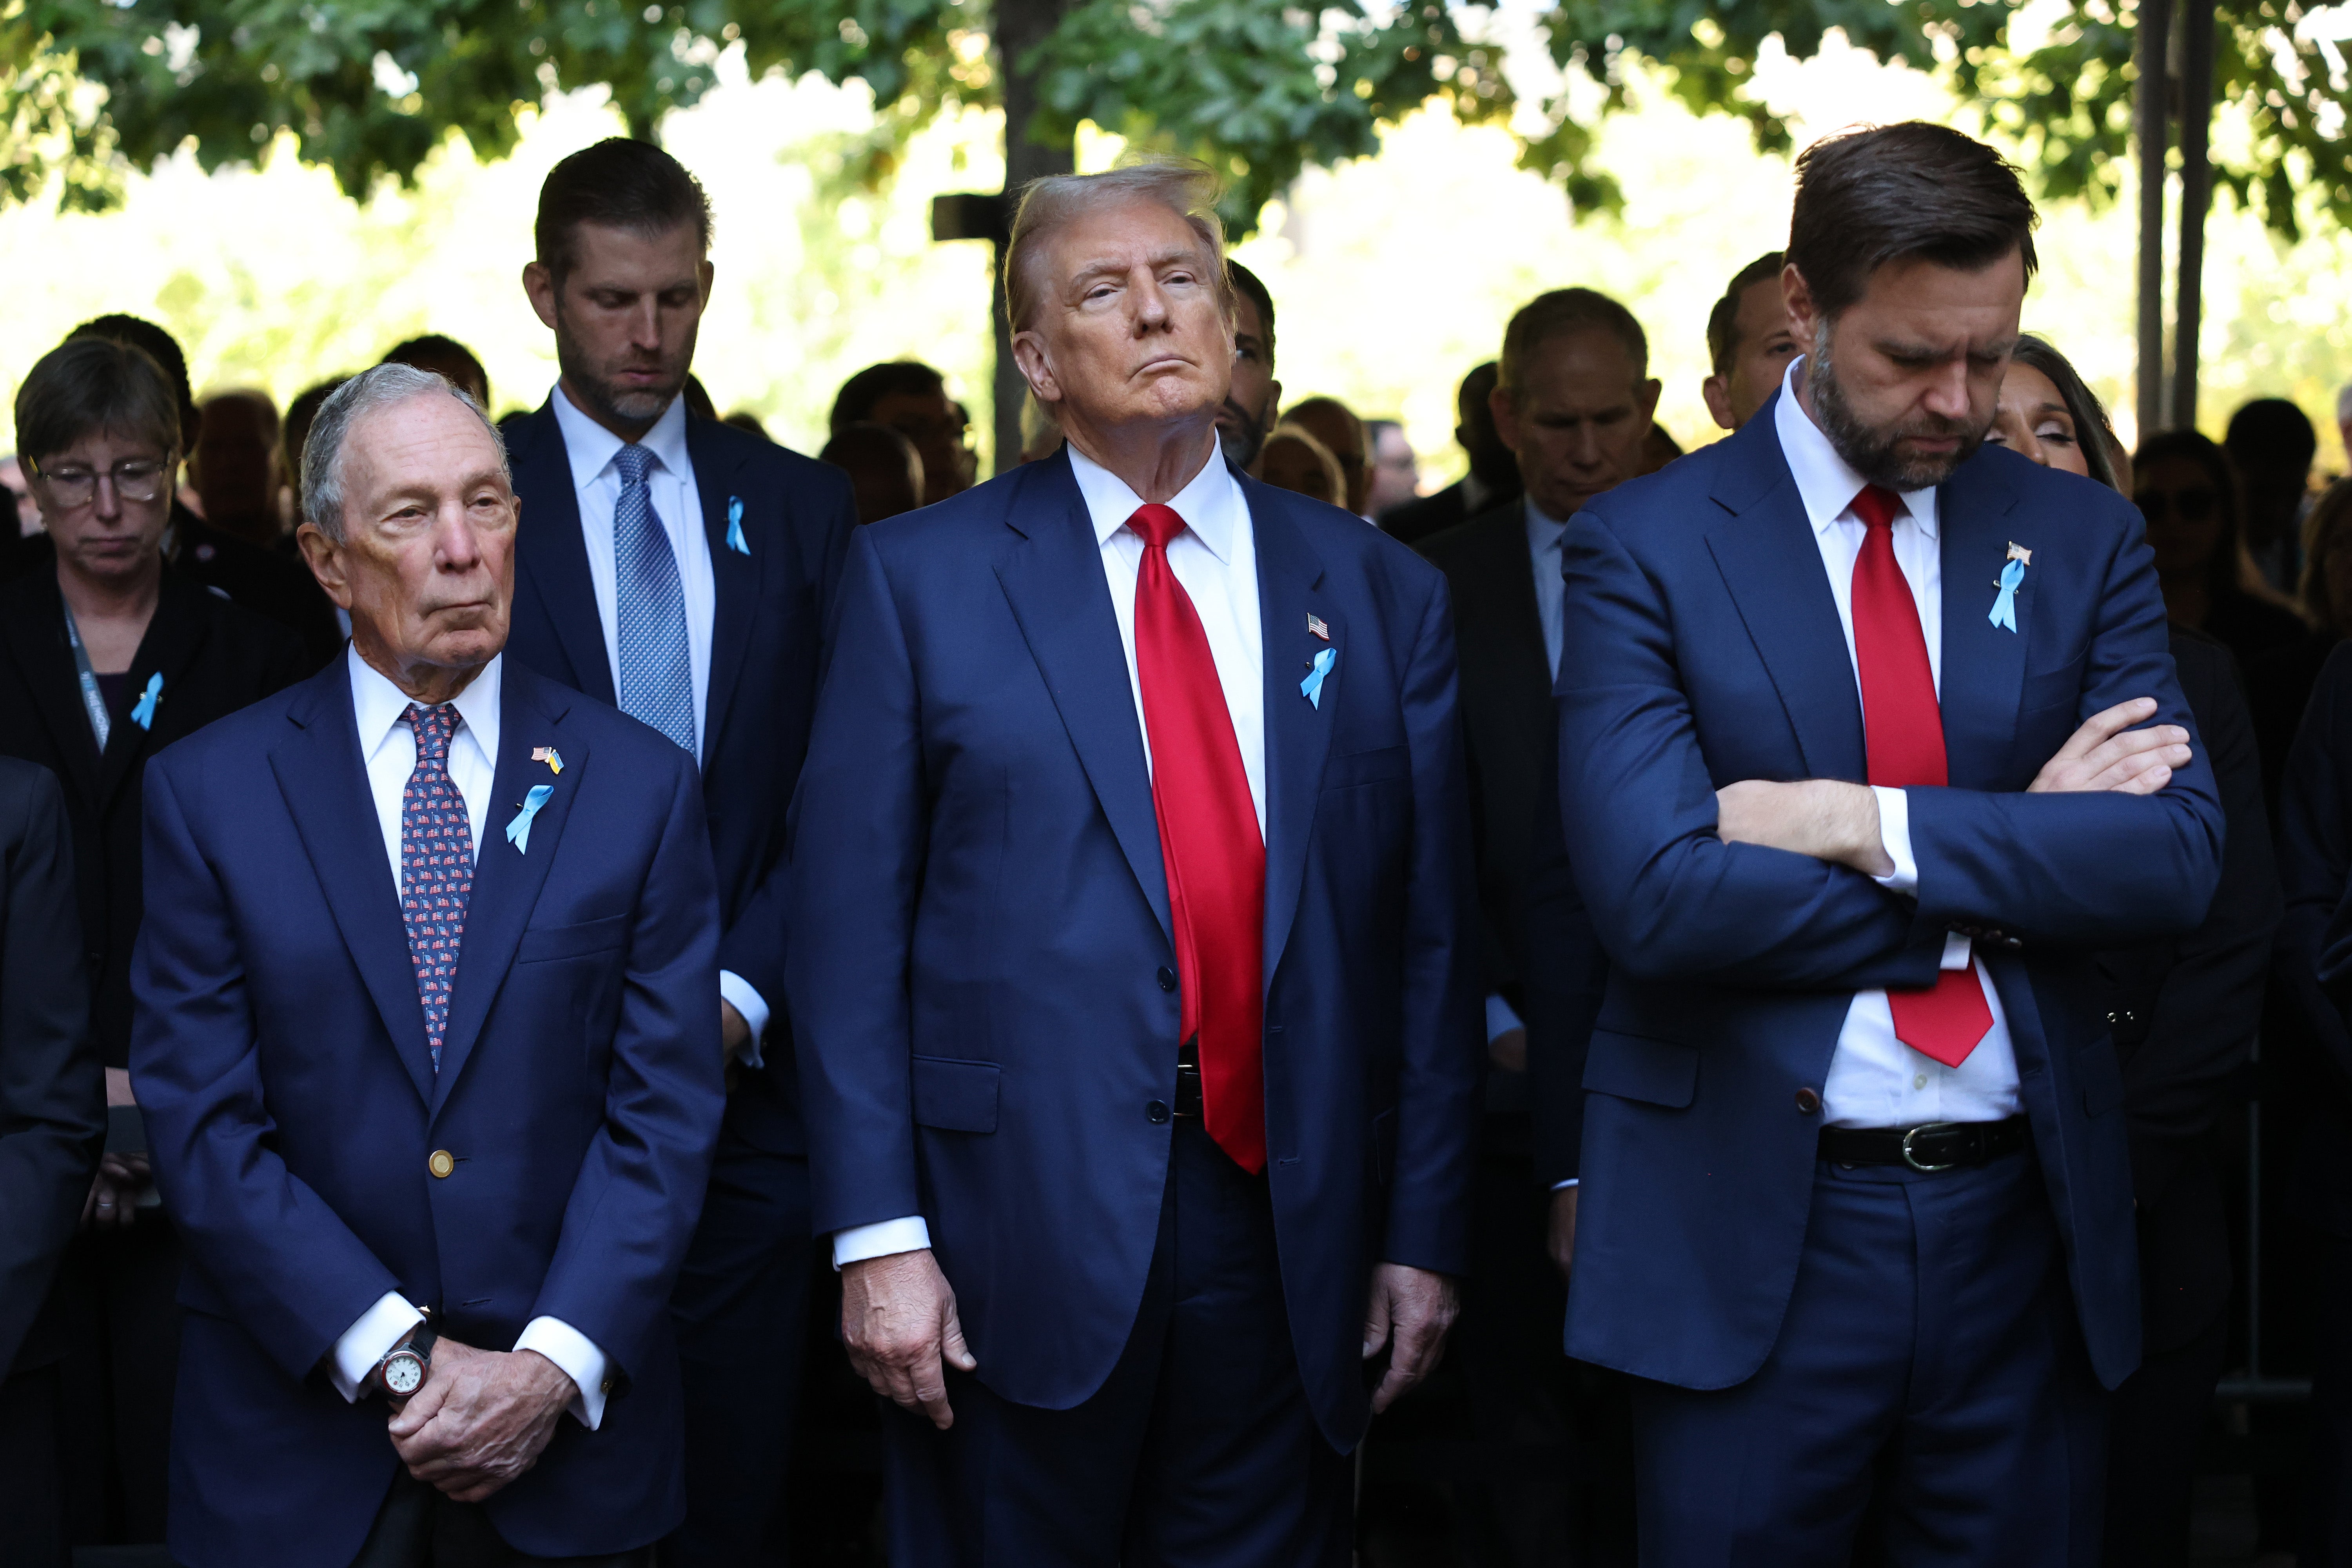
x,y
2087,868
1444,1064
634,1203
52,1093
2210,1003
290,1268
1567,975
860,835
755,946
1670,898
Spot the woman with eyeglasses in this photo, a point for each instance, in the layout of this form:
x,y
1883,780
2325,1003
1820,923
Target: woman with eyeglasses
x,y
2187,490
104,661
2183,1015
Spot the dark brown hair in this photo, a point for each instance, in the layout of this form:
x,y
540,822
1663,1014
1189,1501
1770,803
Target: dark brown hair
x,y
86,385
1248,285
2324,533
1723,321
2093,433
1562,311
617,183
1893,192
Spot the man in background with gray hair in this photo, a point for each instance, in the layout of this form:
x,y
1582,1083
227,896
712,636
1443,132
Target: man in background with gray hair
x,y
426,1033
1131,964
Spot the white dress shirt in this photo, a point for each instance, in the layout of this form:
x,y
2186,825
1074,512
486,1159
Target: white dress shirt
x,y
1216,563
678,505
388,747
1874,1079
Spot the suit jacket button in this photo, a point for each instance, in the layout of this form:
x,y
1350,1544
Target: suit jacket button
x,y
1808,1100
442,1162
1156,1113
1166,976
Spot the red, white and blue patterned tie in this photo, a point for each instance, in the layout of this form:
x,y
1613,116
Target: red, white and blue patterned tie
x,y
437,866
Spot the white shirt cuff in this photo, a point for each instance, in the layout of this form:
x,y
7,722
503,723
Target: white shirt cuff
x,y
1500,1019
368,1342
1562,1187
738,994
860,1242
1894,837
1959,952
578,1358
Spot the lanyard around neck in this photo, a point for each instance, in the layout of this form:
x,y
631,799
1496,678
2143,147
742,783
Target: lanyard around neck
x,y
93,703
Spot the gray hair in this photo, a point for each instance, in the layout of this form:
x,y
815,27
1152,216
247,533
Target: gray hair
x,y
1185,186
365,393
2344,403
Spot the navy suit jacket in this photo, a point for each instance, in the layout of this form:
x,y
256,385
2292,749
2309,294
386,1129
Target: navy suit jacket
x,y
278,1049
765,642
1703,647
983,930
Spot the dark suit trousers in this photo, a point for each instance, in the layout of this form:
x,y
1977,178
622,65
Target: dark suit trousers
x,y
2327,1533
740,1309
1198,1450
118,1375
1930,1346
2156,1421
32,1473
418,1528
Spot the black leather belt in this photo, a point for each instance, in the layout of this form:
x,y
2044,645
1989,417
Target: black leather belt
x,y
1931,1146
1187,1101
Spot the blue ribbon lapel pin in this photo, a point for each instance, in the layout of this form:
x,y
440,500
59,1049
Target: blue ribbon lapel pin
x,y
519,830
1311,688
735,539
143,712
2012,574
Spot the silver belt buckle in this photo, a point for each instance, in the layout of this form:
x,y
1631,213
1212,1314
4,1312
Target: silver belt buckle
x,y
1911,1160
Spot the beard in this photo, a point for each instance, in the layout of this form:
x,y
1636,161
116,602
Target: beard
x,y
1245,438
601,387
1875,451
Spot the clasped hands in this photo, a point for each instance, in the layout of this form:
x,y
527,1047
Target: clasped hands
x,y
899,1322
482,1418
1838,822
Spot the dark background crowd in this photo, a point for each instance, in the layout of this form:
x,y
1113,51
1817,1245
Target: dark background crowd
x,y
2237,1066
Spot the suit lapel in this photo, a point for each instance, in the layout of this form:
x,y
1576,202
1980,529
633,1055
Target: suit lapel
x,y
321,774
169,649
552,553
1521,629
1771,565
1062,602
506,881
1983,665
35,626
734,576
1297,733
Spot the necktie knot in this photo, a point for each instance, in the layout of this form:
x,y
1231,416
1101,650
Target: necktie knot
x,y
433,727
1878,507
1157,525
634,460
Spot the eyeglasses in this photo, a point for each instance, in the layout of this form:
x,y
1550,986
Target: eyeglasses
x,y
141,480
2188,506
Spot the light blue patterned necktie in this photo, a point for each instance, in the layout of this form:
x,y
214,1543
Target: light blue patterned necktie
x,y
656,676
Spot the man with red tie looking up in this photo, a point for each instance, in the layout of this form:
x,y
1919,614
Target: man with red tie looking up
x,y
1869,736
1133,963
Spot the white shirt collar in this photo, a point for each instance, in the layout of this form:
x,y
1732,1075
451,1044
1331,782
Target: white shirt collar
x,y
591,447
378,705
1204,503
1826,483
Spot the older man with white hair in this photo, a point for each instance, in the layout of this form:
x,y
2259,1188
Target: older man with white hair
x,y
426,1033
1131,952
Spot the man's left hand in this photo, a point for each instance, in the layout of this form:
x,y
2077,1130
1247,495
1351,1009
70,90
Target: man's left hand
x,y
1826,819
1413,1308
481,1419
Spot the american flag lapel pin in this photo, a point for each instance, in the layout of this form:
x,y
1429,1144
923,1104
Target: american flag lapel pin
x,y
1315,624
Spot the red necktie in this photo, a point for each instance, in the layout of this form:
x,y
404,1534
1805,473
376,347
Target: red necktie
x,y
1904,729
1210,843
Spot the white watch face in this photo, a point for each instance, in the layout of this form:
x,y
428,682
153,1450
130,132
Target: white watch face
x,y
404,1374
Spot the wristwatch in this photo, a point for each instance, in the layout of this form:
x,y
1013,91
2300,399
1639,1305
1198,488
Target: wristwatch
x,y
401,1371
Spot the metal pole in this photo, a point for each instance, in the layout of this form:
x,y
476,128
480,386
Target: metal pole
x,y
2196,197
2152,28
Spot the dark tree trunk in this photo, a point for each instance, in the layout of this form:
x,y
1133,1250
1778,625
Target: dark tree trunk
x,y
1021,27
